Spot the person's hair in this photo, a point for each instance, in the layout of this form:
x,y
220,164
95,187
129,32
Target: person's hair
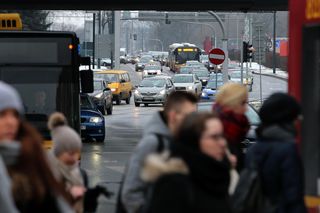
x,y
189,133
176,99
231,95
34,164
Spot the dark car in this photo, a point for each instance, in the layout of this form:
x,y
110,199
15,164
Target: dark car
x,y
102,96
92,121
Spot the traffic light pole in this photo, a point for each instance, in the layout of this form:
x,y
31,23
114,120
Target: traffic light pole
x,y
241,60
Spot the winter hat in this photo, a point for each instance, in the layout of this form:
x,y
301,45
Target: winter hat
x,y
231,95
279,108
10,98
65,139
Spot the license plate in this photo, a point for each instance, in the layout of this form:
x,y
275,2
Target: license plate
x,y
148,99
83,127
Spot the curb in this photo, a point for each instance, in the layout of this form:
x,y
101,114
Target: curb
x,y
271,75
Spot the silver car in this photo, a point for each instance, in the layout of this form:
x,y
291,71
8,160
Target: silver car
x,y
153,90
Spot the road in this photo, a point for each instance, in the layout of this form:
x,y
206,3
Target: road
x,y
106,162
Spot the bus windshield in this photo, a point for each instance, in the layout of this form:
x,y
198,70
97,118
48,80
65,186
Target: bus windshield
x,y
182,57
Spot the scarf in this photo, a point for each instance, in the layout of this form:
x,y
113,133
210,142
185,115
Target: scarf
x,y
236,126
10,152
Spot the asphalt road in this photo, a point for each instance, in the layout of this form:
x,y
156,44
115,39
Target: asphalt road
x,y
106,162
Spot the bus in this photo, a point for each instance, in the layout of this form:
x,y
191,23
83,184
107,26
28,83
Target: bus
x,y
304,84
10,21
44,68
179,54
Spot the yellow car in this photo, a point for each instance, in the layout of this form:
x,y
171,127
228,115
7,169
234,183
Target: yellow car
x,y
119,82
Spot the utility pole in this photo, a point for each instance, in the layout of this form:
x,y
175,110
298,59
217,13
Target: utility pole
x,y
99,32
93,38
274,42
117,39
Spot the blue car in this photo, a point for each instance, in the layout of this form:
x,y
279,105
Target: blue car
x,y
209,92
92,121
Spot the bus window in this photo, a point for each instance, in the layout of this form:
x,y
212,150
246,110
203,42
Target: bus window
x,y
3,23
8,23
14,23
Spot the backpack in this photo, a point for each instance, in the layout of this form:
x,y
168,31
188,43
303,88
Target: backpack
x,y
249,196
120,207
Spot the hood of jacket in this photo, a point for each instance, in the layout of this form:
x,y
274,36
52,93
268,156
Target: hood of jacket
x,y
157,125
160,164
276,132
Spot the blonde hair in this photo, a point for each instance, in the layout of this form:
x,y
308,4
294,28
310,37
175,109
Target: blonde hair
x,y
232,95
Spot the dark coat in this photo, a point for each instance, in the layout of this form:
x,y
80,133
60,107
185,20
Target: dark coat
x,y
204,189
282,174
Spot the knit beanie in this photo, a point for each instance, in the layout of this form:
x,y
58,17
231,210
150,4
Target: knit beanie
x,y
279,108
65,139
231,94
10,98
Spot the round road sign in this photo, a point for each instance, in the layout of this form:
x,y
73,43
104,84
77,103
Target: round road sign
x,y
216,56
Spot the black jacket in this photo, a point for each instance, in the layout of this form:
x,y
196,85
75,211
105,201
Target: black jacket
x,y
204,189
281,168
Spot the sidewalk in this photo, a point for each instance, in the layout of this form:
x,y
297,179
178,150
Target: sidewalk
x,y
280,74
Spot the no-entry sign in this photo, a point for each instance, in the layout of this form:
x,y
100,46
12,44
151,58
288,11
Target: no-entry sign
x,y
217,56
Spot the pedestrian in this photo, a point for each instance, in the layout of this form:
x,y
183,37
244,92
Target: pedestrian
x,y
33,187
64,158
196,177
276,155
159,129
231,106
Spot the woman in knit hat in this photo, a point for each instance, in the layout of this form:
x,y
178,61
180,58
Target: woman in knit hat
x,y
231,106
33,187
65,158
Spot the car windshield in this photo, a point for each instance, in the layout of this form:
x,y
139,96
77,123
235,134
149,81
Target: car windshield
x,y
111,78
151,82
152,68
182,79
145,60
98,85
85,103
213,84
201,73
216,76
236,75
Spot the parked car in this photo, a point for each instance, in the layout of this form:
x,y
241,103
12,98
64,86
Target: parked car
x,y
151,70
102,96
235,76
209,92
92,121
202,74
252,116
119,82
153,90
106,62
187,82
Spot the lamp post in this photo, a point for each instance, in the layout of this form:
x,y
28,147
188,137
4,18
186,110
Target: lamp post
x,y
154,39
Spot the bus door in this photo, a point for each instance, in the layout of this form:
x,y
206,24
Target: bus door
x,y
310,107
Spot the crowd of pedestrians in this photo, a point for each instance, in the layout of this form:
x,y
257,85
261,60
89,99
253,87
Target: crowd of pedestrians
x,y
185,162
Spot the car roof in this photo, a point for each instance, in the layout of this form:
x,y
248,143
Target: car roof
x,y
98,79
112,72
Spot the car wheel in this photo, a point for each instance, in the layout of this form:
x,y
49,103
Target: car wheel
x,y
100,139
102,110
146,105
118,100
137,104
110,109
128,100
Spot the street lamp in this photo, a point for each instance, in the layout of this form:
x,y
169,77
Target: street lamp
x,y
154,39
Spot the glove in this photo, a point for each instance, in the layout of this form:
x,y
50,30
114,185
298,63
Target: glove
x,y
91,197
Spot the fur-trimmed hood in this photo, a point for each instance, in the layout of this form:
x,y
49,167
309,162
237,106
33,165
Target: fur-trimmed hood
x,y
159,164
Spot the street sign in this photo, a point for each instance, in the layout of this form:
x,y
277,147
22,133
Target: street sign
x,y
103,46
217,56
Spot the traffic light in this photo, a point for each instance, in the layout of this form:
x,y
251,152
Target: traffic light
x,y
167,19
247,51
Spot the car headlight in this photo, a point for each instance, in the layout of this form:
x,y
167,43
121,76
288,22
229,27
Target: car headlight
x,y
113,89
95,120
204,80
162,92
137,92
204,94
98,95
190,88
